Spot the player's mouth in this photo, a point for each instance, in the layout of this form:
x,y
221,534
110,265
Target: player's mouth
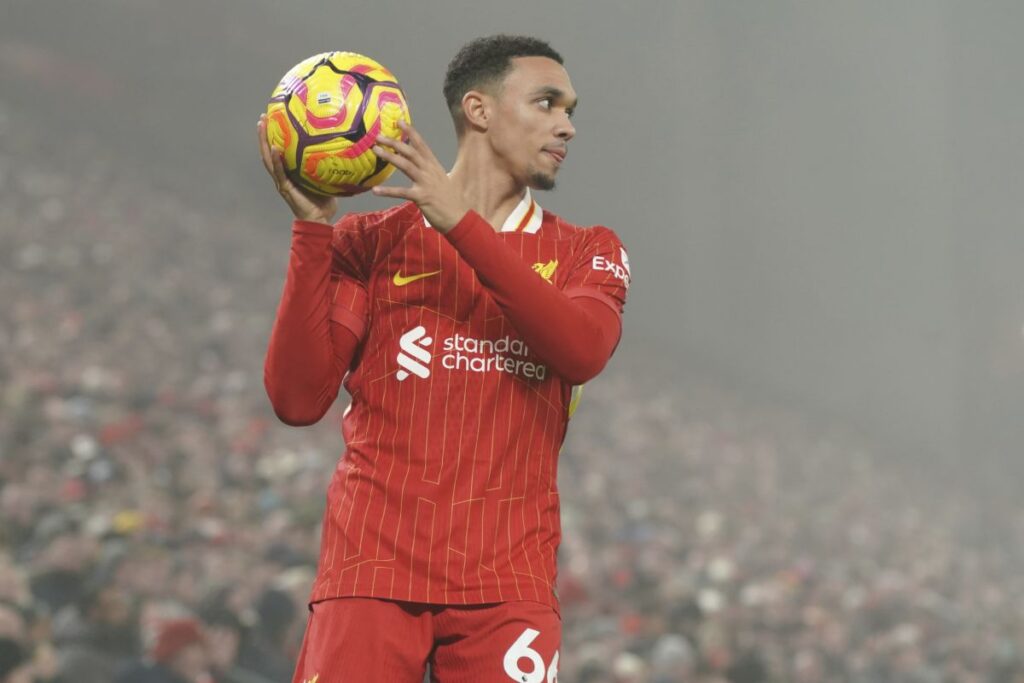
x,y
558,153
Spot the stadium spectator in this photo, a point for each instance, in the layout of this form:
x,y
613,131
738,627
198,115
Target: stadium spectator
x,y
178,656
224,631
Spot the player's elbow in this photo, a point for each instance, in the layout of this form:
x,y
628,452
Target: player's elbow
x,y
587,356
296,415
296,418
291,409
583,367
586,346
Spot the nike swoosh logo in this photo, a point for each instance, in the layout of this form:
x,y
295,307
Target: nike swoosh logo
x,y
401,281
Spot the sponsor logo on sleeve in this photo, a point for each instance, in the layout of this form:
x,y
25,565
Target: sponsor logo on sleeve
x,y
621,271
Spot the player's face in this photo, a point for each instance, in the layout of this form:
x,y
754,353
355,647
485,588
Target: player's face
x,y
531,128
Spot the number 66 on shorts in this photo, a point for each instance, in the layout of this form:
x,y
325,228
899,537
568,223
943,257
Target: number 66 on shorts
x,y
521,650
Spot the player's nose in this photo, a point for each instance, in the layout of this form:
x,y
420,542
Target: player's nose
x,y
565,131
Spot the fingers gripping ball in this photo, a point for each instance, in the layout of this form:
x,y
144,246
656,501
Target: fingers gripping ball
x,y
326,114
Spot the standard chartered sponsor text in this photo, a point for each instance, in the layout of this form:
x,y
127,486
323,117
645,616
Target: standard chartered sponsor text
x,y
486,355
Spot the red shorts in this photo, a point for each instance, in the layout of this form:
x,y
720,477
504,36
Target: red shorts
x,y
367,640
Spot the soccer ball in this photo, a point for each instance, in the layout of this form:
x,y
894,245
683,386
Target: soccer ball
x,y
326,114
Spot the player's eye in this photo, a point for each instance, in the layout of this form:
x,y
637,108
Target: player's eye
x,y
545,102
570,111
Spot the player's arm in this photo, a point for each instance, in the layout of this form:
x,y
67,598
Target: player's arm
x,y
574,335
319,324
319,321
574,331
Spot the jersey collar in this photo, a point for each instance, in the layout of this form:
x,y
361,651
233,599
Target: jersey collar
x,y
526,217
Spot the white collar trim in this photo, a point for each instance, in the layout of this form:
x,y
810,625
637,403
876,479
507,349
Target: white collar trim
x,y
526,217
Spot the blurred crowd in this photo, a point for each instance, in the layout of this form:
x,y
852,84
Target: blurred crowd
x,y
707,540
159,525
154,518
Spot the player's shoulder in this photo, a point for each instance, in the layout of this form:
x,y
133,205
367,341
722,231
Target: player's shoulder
x,y
556,227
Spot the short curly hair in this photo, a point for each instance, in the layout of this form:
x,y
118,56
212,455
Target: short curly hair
x,y
485,62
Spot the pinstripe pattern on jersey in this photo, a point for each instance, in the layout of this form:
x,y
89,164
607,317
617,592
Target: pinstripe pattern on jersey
x,y
447,490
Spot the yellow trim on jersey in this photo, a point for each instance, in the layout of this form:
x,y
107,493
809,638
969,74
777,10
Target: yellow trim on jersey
x,y
574,400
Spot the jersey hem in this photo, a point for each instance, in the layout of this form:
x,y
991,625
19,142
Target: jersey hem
x,y
316,596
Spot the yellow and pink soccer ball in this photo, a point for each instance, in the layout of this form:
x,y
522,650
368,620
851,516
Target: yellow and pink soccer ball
x,y
326,114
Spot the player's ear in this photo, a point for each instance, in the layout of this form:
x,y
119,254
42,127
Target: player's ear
x,y
476,109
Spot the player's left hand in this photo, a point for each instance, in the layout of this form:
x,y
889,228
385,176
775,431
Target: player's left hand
x,y
432,190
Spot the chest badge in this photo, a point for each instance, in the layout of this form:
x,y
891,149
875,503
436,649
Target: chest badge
x,y
546,270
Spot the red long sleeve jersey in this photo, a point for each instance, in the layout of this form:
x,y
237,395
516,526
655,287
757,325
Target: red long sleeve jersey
x,y
447,490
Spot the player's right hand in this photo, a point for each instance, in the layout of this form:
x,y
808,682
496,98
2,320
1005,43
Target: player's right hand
x,y
305,206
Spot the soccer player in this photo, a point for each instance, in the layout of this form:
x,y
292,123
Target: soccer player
x,y
460,321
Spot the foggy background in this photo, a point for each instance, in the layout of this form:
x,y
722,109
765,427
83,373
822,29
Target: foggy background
x,y
822,202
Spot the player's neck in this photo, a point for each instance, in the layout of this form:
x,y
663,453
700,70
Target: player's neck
x,y
489,189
